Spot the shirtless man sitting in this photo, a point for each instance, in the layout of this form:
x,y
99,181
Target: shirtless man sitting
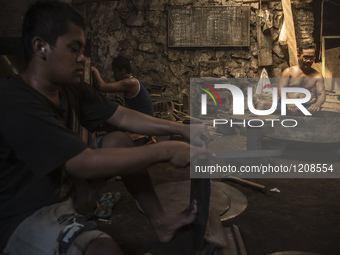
x,y
302,76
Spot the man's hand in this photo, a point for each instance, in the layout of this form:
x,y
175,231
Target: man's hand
x,y
314,108
180,153
95,70
292,108
198,135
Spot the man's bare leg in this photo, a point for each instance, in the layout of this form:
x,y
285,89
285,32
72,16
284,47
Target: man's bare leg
x,y
165,225
141,187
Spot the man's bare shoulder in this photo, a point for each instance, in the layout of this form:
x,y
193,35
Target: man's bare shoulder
x,y
290,72
315,74
129,81
296,72
131,86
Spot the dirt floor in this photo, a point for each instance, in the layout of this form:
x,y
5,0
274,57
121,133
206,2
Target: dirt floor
x,y
303,216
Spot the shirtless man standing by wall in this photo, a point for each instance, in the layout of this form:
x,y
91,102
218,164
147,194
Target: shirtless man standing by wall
x,y
302,76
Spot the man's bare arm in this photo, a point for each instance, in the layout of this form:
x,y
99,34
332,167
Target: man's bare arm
x,y
107,162
321,96
136,122
284,80
129,86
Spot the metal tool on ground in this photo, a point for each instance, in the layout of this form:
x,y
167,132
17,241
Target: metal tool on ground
x,y
247,183
248,154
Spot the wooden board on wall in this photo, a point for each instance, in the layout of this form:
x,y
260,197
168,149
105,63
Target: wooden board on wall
x,y
216,26
265,57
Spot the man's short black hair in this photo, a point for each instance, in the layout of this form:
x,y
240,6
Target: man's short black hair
x,y
121,63
306,46
48,20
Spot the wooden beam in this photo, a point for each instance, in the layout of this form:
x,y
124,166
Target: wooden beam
x,y
265,45
291,40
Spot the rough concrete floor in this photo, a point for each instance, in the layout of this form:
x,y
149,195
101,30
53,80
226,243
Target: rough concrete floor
x,y
303,216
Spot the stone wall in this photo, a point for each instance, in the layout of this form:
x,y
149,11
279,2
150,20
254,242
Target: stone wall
x,y
138,30
11,16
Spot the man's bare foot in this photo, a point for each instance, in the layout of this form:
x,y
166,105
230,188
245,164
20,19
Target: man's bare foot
x,y
166,226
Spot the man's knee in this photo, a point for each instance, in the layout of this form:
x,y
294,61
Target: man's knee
x,y
263,105
117,139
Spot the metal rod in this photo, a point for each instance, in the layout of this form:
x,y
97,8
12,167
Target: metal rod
x,y
247,154
248,184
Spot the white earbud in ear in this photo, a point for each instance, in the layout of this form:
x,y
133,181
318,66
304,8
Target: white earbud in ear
x,y
42,49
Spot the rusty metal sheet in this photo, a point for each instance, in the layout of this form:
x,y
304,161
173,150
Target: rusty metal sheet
x,y
248,154
322,127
